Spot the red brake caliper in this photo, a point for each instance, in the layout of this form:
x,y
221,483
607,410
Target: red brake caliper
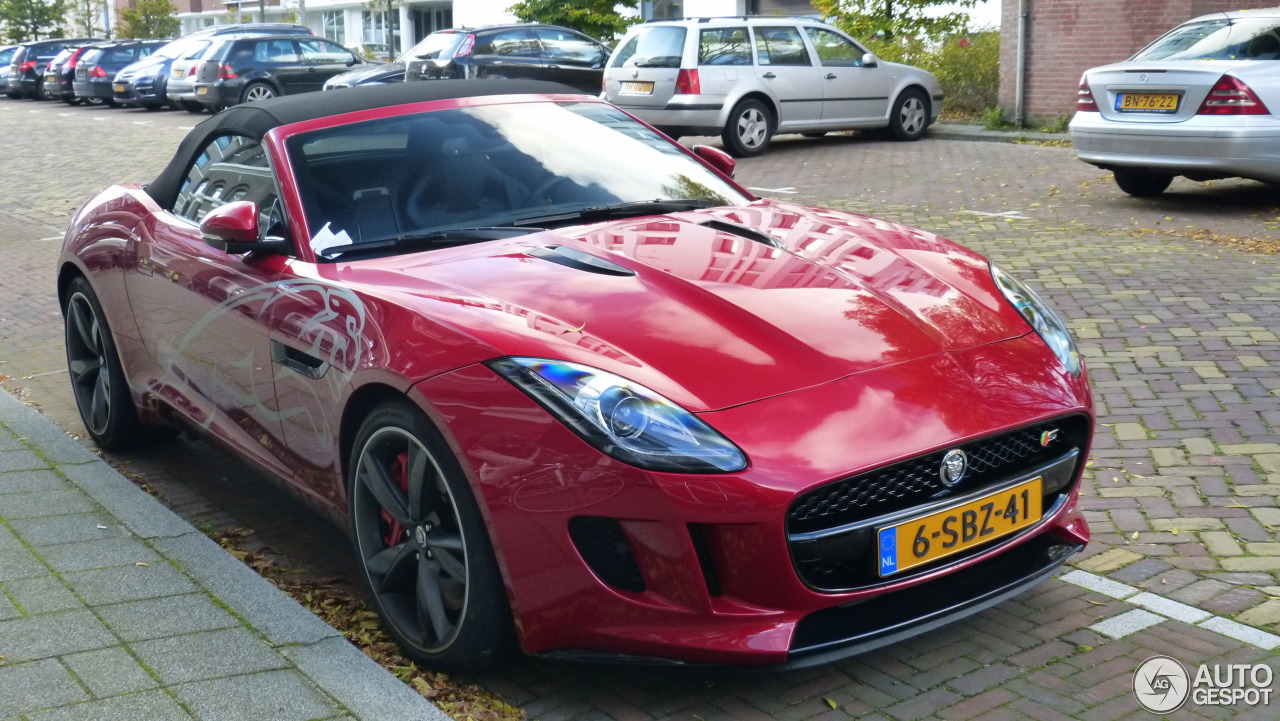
x,y
400,472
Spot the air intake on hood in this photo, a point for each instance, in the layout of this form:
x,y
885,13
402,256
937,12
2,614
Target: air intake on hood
x,y
725,226
578,260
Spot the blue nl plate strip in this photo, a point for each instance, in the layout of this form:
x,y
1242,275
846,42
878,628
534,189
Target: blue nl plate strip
x,y
888,551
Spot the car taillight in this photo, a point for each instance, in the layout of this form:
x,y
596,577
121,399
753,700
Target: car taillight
x,y
226,73
192,70
1084,98
465,49
1230,96
97,72
687,83
27,66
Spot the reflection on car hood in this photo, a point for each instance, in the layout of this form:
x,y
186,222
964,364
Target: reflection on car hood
x,y
367,74
704,315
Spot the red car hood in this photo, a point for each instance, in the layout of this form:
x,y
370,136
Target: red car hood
x,y
703,313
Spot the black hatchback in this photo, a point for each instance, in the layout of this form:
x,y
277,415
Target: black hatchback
x,y
97,67
30,59
244,69
536,52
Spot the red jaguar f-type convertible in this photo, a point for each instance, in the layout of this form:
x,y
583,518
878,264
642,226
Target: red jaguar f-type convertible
x,y
573,390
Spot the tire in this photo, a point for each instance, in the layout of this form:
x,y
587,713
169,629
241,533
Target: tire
x,y
749,129
257,91
909,117
92,102
42,93
97,378
109,102
72,101
1142,183
430,570
191,106
152,106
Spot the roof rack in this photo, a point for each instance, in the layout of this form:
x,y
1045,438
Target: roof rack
x,y
709,18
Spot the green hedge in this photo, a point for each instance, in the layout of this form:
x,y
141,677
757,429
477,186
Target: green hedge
x,y
968,66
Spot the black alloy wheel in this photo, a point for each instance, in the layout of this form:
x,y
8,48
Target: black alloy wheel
x,y
97,378
426,557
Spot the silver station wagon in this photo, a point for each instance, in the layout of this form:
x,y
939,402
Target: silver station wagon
x,y
1199,102
746,79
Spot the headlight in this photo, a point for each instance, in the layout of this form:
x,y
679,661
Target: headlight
x,y
623,419
1042,318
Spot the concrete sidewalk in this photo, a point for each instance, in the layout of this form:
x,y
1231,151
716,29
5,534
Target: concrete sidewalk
x,y
112,607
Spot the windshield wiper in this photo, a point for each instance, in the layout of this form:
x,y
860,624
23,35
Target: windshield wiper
x,y
618,210
431,237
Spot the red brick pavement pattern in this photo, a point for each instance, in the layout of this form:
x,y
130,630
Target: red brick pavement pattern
x,y
1158,316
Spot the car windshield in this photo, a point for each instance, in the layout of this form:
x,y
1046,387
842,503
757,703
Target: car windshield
x,y
659,46
435,45
508,165
175,48
1219,39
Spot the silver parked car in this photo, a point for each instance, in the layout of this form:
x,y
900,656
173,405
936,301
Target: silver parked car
x,y
1200,102
746,79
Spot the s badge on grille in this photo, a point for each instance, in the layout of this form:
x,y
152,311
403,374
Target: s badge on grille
x,y
1048,437
954,465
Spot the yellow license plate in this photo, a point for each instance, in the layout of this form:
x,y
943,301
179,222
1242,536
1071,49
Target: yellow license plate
x,y
118,88
202,91
1147,102
631,87
937,535
51,78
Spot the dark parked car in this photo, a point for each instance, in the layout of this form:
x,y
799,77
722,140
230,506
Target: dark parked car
x,y
59,75
536,52
254,68
26,68
144,82
97,68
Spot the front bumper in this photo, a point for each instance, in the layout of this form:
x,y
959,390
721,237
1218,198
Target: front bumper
x,y
1200,147
604,560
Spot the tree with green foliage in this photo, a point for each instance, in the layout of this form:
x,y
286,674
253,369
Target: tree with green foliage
x,y
32,19
148,19
597,18
87,18
888,19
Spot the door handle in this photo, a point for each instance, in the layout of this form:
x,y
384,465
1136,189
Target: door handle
x,y
830,76
553,67
769,76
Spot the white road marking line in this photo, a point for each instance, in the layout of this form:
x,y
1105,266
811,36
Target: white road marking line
x,y
1134,620
1127,623
788,190
1014,214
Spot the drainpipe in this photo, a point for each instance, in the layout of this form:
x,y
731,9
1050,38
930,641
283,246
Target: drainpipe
x,y
1020,74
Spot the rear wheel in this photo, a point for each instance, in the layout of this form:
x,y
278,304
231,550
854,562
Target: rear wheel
x,y
749,129
43,92
191,106
909,117
97,378
152,106
71,100
1142,183
427,560
257,91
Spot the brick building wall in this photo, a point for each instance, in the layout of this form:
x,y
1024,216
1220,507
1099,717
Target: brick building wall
x,y
1067,37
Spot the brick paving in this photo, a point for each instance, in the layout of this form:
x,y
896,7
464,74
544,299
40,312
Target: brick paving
x,y
1182,345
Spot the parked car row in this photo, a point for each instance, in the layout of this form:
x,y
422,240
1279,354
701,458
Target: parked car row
x,y
744,79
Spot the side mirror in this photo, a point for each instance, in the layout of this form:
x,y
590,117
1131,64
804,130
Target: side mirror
x,y
869,60
233,228
716,158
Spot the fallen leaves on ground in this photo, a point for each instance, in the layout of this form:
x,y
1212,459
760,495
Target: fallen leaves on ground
x,y
1248,244
348,612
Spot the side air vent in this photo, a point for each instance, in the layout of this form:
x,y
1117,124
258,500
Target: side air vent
x,y
578,260
602,544
702,547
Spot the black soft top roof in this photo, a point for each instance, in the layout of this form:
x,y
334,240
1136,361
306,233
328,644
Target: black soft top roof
x,y
257,119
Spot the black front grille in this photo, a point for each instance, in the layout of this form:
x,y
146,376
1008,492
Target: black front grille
x,y
914,481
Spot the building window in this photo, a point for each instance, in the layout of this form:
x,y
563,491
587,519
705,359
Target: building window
x,y
377,29
335,25
664,10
